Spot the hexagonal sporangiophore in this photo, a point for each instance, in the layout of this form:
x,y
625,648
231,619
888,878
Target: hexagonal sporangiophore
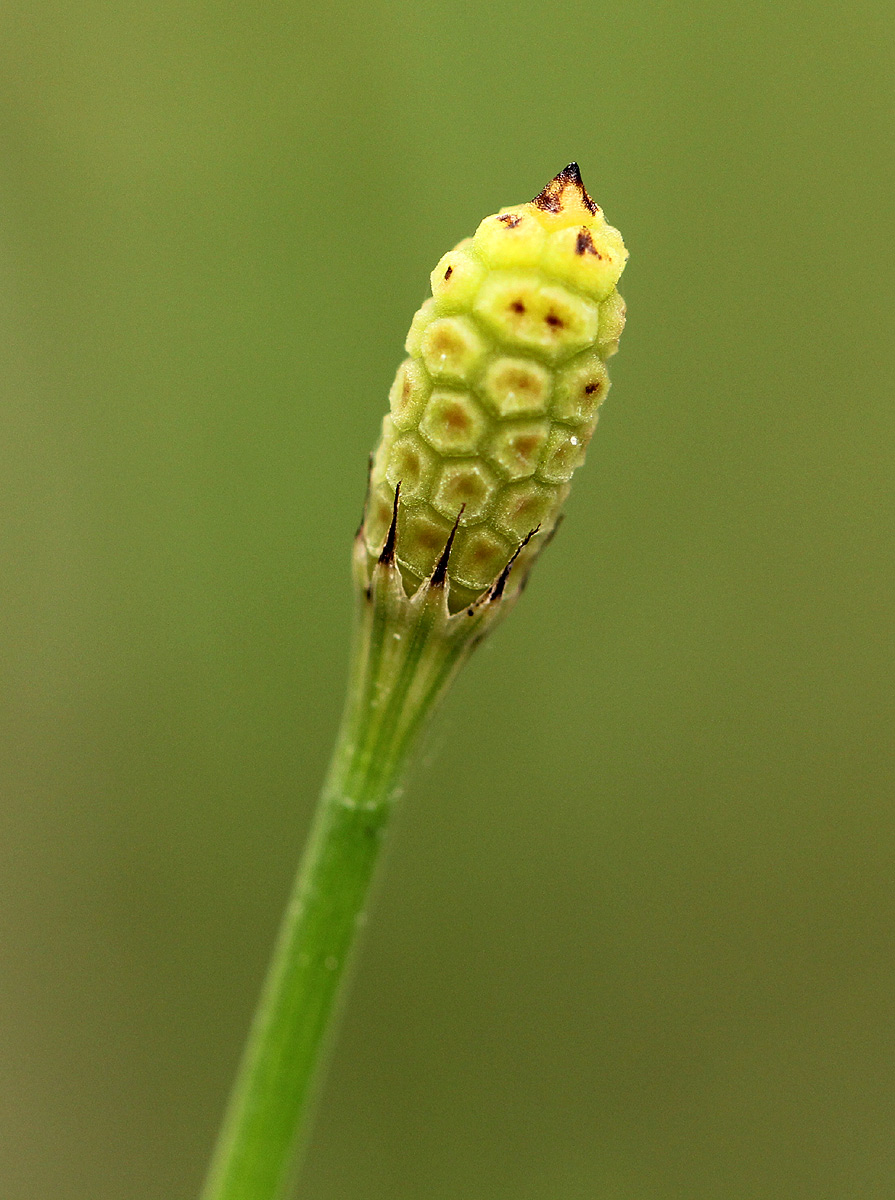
x,y
565,451
408,394
524,506
384,449
453,422
422,319
527,312
589,258
612,322
378,517
516,386
514,237
456,279
464,482
412,464
421,538
580,388
516,447
452,348
478,557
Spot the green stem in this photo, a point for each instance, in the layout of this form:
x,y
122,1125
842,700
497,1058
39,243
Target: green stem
x,y
403,661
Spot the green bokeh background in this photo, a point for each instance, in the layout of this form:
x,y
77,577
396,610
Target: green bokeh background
x,y
634,940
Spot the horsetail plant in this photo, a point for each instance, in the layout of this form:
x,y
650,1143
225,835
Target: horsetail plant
x,y
489,417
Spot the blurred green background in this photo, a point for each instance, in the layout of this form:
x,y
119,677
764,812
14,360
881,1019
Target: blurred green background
x,y
634,940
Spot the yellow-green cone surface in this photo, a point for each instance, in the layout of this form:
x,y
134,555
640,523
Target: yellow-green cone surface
x,y
493,409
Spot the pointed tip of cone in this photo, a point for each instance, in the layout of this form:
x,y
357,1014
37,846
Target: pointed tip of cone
x,y
564,190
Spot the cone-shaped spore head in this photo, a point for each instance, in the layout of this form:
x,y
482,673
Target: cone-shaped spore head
x,y
492,410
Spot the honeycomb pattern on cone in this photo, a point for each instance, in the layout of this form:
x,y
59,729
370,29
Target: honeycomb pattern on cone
x,y
493,409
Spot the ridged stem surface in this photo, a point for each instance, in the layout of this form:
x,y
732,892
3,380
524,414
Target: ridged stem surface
x,y
403,662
